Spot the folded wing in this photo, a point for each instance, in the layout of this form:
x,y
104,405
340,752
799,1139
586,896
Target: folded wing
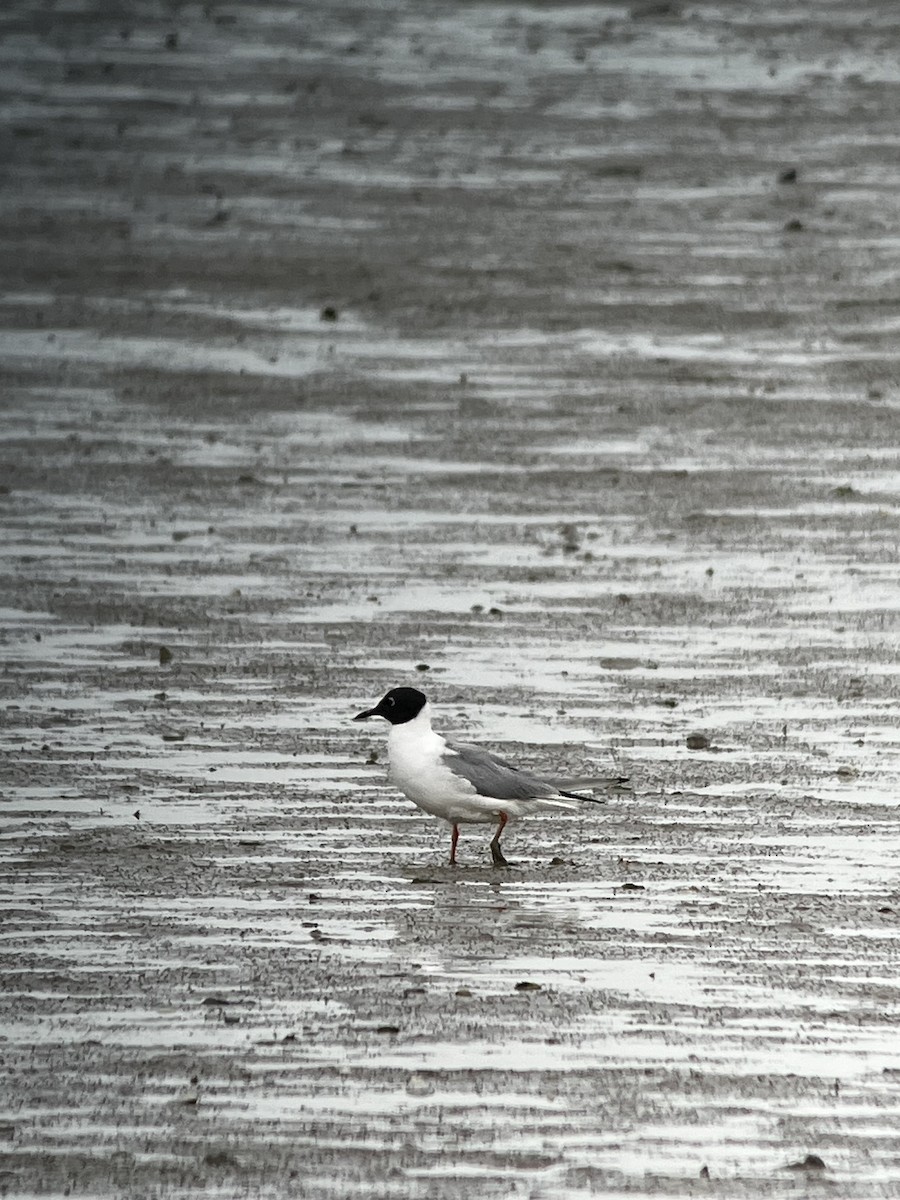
x,y
494,777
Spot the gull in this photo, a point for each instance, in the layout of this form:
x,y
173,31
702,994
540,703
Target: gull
x,y
460,783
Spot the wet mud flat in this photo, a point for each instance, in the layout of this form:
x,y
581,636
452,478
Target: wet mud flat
x,y
544,358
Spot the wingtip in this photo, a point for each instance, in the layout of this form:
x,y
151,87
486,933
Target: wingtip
x,y
587,783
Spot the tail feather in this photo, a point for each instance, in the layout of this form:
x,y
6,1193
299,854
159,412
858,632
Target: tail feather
x,y
586,799
555,802
571,787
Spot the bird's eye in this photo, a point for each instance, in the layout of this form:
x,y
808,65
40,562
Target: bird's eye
x,y
389,700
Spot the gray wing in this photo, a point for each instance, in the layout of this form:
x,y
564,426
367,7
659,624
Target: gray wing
x,y
494,777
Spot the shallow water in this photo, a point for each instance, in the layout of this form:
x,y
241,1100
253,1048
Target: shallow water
x,y
600,449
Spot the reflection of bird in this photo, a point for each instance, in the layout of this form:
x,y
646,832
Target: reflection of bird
x,y
463,784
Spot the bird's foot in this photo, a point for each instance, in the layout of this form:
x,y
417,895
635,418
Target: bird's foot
x,y
498,857
496,852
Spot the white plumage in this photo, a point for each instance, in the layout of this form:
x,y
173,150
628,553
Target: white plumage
x,y
462,784
420,764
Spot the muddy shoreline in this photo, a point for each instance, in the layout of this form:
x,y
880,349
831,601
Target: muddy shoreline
x,y
544,358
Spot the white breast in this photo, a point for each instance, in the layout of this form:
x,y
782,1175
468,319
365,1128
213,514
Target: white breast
x,y
415,766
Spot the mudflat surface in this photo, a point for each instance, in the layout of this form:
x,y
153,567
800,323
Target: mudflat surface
x,y
603,430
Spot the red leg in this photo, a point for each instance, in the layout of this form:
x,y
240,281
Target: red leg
x,y
496,852
454,838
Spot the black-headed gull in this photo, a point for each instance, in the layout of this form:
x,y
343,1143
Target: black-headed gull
x,y
463,784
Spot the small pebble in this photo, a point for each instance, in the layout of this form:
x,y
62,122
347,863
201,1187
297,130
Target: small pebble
x,y
419,1085
812,1162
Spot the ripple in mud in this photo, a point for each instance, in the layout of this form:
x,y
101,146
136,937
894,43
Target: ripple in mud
x,y
603,434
